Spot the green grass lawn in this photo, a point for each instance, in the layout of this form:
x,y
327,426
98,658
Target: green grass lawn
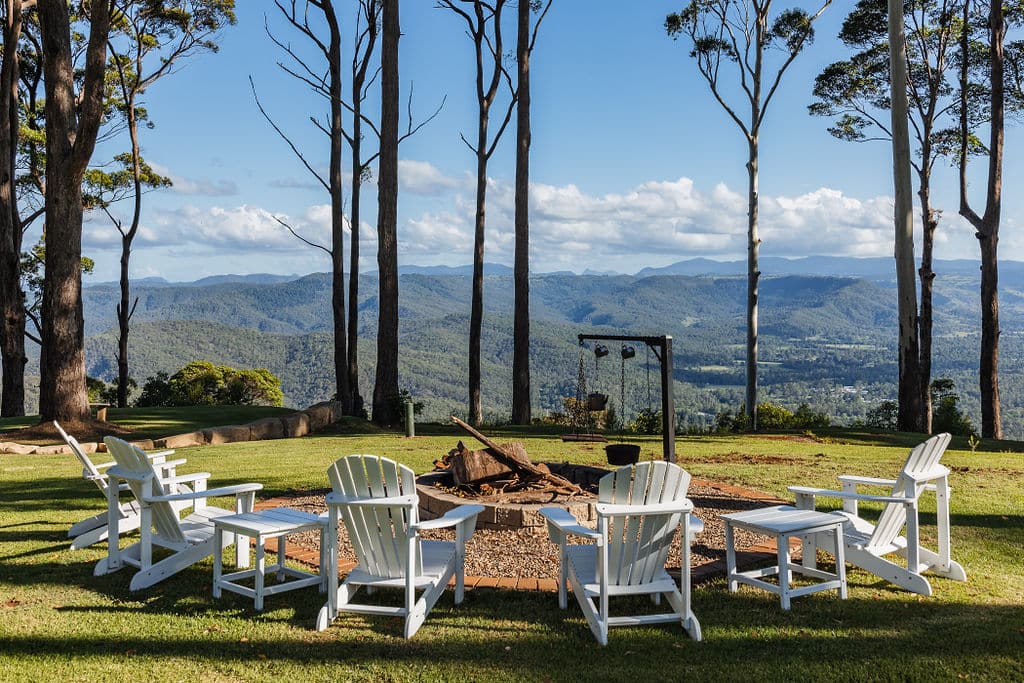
x,y
59,622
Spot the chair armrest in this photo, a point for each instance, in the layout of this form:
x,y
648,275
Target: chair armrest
x,y
170,464
209,493
696,525
866,481
160,454
342,499
611,510
848,495
566,523
936,472
104,465
453,517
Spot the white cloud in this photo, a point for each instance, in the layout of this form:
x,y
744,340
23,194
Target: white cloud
x,y
204,186
423,178
659,222
653,224
198,186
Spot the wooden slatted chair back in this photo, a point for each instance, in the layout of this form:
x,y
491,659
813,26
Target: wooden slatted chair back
x,y
89,470
132,459
379,533
921,460
638,545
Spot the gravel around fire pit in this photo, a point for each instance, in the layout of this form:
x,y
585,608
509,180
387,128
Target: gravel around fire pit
x,y
526,554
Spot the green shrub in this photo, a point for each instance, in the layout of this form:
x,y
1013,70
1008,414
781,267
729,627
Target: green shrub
x,y
398,404
95,388
946,413
646,422
201,383
156,391
882,416
771,416
805,418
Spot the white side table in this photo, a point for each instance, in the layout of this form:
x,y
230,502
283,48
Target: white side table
x,y
261,525
784,522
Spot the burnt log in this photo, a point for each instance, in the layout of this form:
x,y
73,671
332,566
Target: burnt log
x,y
527,470
470,467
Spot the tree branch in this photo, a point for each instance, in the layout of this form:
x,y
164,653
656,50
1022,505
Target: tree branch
x,y
303,239
295,150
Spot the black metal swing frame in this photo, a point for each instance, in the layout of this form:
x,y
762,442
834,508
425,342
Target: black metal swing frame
x,y
662,348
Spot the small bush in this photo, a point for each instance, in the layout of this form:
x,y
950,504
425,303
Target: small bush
x,y
771,416
646,422
946,413
156,391
398,404
882,416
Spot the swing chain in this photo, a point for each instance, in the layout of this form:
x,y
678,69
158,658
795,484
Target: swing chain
x,y
622,396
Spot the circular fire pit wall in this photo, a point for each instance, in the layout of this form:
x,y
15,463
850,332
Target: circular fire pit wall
x,y
503,516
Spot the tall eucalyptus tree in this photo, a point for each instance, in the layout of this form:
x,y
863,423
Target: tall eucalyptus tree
x,y
986,224
483,21
856,92
12,305
742,33
385,388
73,119
525,40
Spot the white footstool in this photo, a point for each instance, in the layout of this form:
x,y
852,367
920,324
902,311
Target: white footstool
x,y
784,522
259,526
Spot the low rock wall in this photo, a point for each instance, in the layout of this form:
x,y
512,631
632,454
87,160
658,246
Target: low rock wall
x,y
300,423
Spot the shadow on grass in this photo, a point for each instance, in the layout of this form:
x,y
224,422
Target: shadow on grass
x,y
746,635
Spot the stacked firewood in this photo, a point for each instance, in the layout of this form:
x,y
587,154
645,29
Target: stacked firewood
x,y
501,469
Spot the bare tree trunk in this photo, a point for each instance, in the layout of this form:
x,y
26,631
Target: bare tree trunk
x,y
386,385
62,393
71,128
987,225
910,412
929,220
476,312
123,318
991,418
753,276
124,309
341,376
353,269
988,237
12,304
521,267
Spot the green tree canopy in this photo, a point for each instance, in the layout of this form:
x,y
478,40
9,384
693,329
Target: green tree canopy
x,y
201,383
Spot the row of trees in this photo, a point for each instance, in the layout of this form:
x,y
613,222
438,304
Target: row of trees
x,y
377,23
94,62
40,47
936,67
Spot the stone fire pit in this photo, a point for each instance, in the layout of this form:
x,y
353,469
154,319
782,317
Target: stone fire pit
x,y
502,515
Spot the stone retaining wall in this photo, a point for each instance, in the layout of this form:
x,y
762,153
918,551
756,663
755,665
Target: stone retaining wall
x,y
300,423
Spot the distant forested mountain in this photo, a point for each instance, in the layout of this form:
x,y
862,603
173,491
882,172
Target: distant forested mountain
x,y
825,340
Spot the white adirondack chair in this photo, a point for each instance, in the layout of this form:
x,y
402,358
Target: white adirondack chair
x,y
639,509
189,539
376,497
867,544
94,529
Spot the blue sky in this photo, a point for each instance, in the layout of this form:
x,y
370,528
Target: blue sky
x,y
633,162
